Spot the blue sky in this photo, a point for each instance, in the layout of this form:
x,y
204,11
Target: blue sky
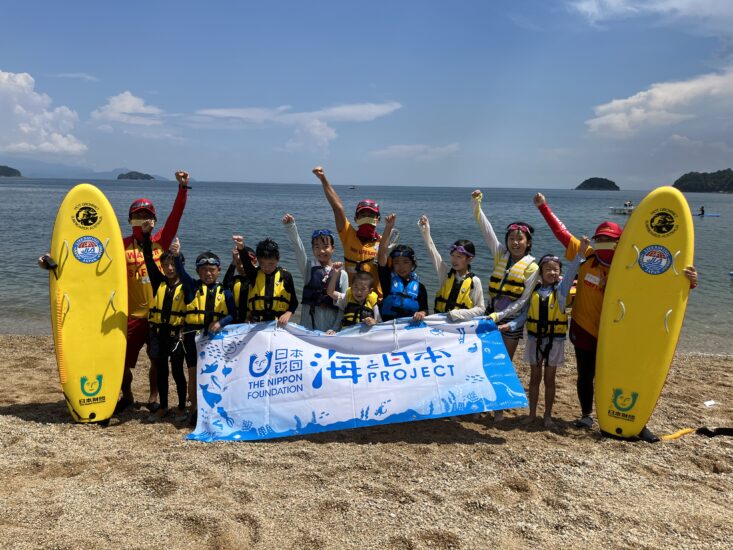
x,y
529,93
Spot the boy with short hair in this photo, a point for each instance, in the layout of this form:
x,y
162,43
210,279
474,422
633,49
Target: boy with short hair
x,y
359,303
209,308
271,289
319,312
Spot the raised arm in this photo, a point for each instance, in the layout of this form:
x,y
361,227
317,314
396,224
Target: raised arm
x,y
249,269
156,277
165,236
487,231
563,289
556,226
333,277
300,254
339,215
189,285
441,268
384,241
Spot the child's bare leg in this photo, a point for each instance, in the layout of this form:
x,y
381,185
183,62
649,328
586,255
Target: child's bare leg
x,y
511,345
535,379
549,395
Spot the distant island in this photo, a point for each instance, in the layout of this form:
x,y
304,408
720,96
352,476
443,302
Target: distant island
x,y
8,172
135,176
706,182
598,184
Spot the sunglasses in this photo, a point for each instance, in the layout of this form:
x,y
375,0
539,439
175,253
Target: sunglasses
x,y
406,254
321,233
546,259
208,261
458,248
518,227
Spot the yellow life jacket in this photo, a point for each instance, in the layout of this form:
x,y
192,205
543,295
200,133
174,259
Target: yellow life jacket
x,y
197,314
240,290
267,297
139,290
169,306
354,312
551,323
454,294
359,256
508,283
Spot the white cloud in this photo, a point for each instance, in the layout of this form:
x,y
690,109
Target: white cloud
x,y
27,123
77,76
714,17
128,109
663,104
312,129
248,115
417,152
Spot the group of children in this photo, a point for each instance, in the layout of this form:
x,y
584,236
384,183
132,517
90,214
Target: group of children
x,y
522,292
257,289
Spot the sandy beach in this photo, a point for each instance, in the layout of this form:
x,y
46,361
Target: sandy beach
x,y
453,483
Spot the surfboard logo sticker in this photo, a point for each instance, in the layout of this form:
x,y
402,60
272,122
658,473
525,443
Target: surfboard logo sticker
x,y
655,260
86,216
90,388
622,404
88,249
662,222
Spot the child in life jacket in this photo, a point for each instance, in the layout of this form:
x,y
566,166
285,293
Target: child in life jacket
x,y
404,294
319,311
513,277
209,308
547,327
271,295
235,279
460,294
166,318
359,303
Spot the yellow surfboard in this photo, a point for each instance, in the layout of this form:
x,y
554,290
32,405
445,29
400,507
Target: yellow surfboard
x,y
643,308
88,292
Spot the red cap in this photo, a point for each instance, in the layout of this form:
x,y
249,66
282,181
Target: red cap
x,y
142,204
608,229
367,204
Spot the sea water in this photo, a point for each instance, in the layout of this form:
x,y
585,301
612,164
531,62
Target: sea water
x,y
215,211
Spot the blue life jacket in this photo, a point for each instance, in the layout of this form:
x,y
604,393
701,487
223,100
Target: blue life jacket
x,y
402,299
314,291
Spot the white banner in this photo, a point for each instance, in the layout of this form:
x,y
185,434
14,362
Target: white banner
x,y
260,381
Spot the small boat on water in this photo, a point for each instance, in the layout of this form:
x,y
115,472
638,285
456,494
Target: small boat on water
x,y
352,187
621,210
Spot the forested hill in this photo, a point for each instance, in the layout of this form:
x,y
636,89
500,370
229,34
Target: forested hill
x,y
706,182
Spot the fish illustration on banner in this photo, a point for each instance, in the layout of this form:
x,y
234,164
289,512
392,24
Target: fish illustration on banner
x,y
260,382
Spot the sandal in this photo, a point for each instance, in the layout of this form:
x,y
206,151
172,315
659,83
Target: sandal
x,y
123,404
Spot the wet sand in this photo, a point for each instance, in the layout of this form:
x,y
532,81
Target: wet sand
x,y
452,483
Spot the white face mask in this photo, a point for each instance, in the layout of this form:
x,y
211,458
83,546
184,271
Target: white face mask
x,y
364,221
605,246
